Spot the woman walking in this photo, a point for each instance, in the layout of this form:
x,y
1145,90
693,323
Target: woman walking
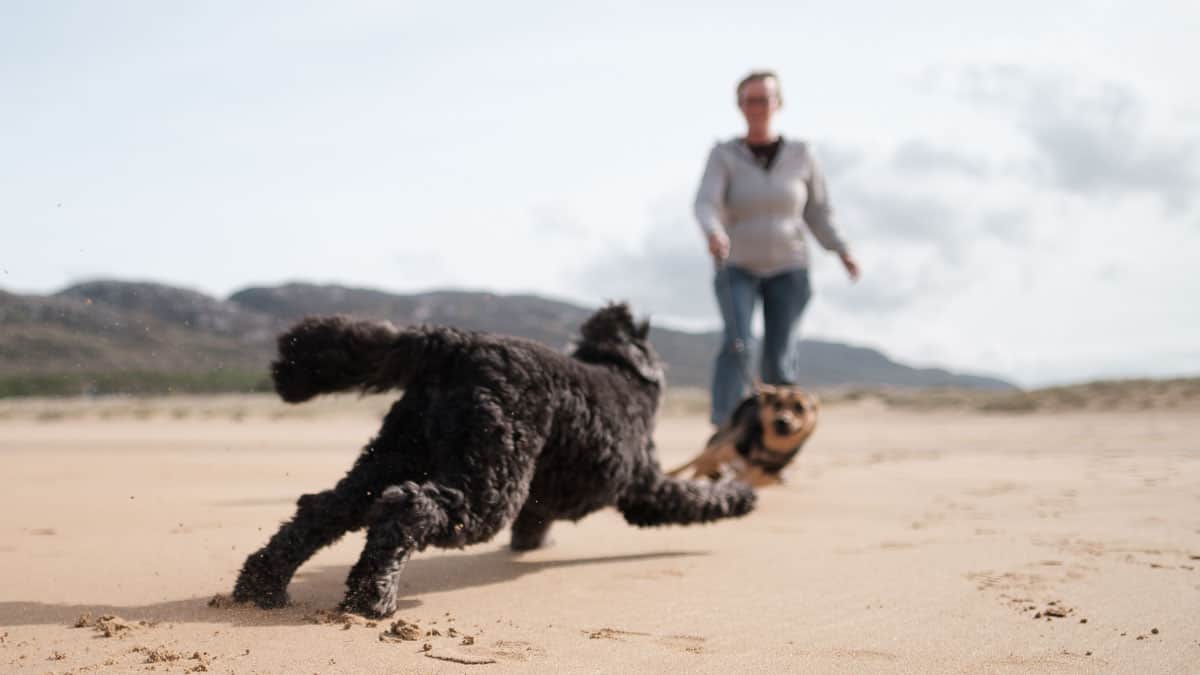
x,y
758,195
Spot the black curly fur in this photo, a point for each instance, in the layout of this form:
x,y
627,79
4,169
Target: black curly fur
x,y
491,431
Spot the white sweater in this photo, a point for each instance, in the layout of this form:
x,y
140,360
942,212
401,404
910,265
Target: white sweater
x,y
763,210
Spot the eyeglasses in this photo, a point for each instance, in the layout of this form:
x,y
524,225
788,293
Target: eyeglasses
x,y
758,100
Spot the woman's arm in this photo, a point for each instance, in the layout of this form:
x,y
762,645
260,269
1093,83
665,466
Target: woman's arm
x,y
818,215
710,204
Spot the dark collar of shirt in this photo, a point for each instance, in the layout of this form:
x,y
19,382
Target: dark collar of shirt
x,y
765,153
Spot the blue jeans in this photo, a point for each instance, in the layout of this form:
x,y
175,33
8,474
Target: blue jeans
x,y
784,297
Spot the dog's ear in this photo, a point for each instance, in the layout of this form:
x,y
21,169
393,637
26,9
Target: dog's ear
x,y
644,361
611,322
612,330
643,330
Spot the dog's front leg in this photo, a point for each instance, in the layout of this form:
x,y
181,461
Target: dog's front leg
x,y
373,587
403,520
320,520
662,500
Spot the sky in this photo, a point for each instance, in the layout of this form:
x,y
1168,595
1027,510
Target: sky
x,y
1020,181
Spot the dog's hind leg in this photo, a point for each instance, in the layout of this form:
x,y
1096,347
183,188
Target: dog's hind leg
x,y
530,528
662,500
406,519
709,463
320,520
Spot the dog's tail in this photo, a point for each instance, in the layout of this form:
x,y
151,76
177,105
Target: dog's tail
x,y
321,355
674,501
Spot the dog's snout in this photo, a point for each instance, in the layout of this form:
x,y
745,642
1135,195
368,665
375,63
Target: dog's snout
x,y
782,428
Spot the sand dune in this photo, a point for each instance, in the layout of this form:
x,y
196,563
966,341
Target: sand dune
x,y
904,541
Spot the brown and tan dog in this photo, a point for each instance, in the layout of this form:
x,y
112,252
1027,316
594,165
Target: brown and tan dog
x,y
764,434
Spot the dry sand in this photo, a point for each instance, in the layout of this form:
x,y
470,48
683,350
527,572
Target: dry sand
x,y
904,541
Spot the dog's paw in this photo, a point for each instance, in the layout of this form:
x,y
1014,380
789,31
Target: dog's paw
x,y
274,598
372,597
370,607
523,544
741,498
259,584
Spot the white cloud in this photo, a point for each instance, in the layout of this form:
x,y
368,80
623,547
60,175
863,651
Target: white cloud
x,y
666,273
1092,138
917,156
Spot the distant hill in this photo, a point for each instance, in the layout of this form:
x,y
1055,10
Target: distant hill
x,y
103,336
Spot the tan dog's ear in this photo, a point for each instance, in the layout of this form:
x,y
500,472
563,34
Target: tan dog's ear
x,y
766,392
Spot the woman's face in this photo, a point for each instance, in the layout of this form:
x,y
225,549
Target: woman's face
x,y
759,101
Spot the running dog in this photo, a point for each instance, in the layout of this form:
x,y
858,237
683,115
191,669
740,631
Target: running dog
x,y
491,431
764,434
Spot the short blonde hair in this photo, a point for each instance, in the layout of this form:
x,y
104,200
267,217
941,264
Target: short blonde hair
x,y
758,76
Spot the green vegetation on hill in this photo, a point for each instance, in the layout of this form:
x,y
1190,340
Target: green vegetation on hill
x,y
136,382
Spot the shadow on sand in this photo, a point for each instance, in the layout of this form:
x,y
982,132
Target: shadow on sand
x,y
314,586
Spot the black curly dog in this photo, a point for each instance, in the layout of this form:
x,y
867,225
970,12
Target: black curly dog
x,y
491,430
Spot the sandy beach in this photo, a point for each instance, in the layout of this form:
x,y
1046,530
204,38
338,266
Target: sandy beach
x,y
903,541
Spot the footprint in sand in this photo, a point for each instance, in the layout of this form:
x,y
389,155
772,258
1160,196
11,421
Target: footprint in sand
x,y
514,650
869,655
692,644
501,650
443,644
864,654
993,490
613,634
1048,574
1033,592
1139,556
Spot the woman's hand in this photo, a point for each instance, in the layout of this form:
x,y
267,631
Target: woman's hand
x,y
851,266
718,245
